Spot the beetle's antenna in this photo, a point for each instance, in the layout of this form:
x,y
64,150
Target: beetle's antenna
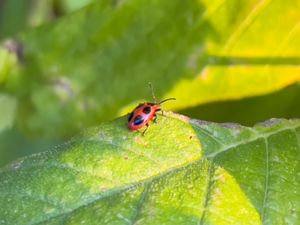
x,y
168,99
152,92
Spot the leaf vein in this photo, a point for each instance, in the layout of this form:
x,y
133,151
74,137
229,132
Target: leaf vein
x,y
140,204
207,133
211,172
234,145
245,24
109,193
267,180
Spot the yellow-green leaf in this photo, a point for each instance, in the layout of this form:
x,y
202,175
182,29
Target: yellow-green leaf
x,y
183,171
95,63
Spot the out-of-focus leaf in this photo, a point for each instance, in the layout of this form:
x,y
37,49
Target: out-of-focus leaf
x,y
212,88
13,11
7,62
17,16
70,5
91,65
280,104
14,144
181,172
8,110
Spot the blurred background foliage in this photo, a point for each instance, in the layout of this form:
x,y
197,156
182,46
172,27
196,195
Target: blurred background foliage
x,y
68,65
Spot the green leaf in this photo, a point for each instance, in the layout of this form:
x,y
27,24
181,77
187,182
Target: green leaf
x,y
14,12
183,171
14,145
7,114
92,65
71,6
280,104
7,62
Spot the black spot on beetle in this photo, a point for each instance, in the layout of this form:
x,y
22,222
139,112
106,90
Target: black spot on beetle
x,y
138,120
147,110
130,116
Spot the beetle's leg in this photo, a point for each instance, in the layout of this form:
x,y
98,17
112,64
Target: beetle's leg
x,y
162,112
129,116
147,126
155,118
157,110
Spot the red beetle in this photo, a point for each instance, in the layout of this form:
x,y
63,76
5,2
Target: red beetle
x,y
144,113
